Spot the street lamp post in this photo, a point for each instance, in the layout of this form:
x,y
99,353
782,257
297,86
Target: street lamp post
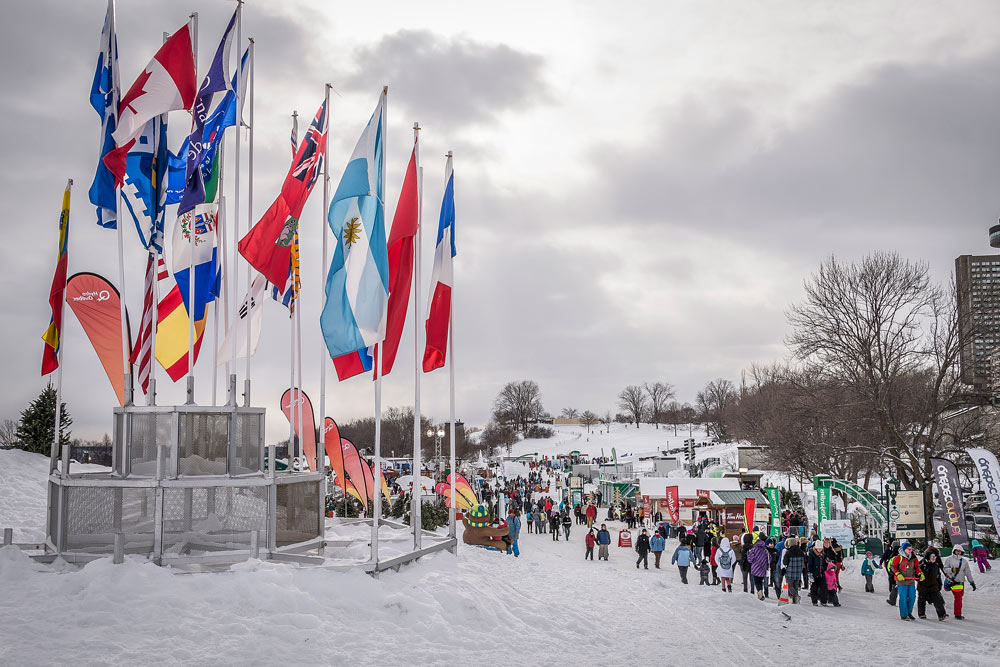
x,y
437,434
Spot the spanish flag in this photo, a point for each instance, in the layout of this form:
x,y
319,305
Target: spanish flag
x,y
172,326
50,353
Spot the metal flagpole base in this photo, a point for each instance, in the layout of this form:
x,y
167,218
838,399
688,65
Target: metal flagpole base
x,y
128,389
231,397
246,392
190,390
152,391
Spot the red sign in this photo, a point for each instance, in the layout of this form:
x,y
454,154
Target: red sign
x,y
624,538
645,507
704,493
749,507
673,503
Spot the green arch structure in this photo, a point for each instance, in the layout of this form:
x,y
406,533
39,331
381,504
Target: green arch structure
x,y
823,484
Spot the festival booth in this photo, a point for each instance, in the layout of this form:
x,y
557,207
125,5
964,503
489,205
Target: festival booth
x,y
694,496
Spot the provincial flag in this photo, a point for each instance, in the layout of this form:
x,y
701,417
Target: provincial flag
x,y
442,278
167,83
217,80
172,326
203,220
250,316
357,285
267,246
50,352
104,94
293,284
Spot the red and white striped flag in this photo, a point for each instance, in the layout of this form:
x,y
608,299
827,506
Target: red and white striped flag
x,y
142,352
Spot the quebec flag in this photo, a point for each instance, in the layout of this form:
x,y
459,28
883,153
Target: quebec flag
x,y
357,286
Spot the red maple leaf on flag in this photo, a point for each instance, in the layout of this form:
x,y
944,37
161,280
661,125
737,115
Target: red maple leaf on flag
x,y
135,91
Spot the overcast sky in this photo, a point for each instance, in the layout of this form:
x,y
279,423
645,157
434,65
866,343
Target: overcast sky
x,y
641,189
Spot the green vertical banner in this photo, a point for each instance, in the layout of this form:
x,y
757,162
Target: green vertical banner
x,y
774,497
822,506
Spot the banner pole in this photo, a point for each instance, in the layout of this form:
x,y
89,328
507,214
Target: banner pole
x,y
250,91
377,460
54,451
416,495
293,395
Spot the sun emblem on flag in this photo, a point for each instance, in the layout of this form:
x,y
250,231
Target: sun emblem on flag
x,y
352,231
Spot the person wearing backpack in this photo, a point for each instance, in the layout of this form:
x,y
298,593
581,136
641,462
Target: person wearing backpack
x,y
726,559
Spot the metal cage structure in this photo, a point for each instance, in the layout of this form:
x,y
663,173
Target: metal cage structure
x,y
189,484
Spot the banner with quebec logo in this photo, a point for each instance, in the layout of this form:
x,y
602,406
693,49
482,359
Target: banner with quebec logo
x,y
97,306
989,473
946,478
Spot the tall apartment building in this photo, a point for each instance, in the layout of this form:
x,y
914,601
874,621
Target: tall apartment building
x,y
977,278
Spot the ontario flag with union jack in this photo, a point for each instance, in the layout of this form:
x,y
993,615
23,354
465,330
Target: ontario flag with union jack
x,y
268,246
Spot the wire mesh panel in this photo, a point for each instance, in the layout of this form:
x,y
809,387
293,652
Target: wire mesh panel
x,y
148,430
118,444
212,518
247,448
94,514
297,512
203,443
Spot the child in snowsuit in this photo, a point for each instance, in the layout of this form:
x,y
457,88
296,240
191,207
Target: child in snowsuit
x,y
868,571
981,555
704,570
831,584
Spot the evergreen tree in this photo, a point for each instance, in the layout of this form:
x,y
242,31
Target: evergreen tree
x,y
35,432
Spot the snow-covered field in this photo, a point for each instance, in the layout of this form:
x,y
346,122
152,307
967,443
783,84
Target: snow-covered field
x,y
548,607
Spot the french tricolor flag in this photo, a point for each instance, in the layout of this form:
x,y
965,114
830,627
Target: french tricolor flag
x,y
442,279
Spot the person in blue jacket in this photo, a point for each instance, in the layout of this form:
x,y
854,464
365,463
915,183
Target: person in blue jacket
x,y
603,541
514,524
657,544
682,557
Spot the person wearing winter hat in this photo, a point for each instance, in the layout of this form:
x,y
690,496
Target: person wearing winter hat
x,y
929,585
981,556
868,571
816,564
956,572
726,558
906,570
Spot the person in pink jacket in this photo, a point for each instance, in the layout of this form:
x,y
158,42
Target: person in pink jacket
x,y
981,555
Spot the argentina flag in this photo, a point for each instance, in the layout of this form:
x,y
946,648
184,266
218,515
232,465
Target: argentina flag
x,y
357,286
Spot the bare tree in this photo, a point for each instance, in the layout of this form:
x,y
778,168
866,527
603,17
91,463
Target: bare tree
x,y
8,434
633,401
569,413
659,393
518,403
886,333
713,401
589,418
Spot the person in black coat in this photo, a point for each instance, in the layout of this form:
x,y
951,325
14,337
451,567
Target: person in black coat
x,y
816,565
642,547
745,564
700,542
929,586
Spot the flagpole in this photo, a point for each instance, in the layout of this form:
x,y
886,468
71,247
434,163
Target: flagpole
x,y
220,230
323,354
193,243
298,362
159,210
231,364
416,500
293,396
377,473
126,366
451,392
246,380
54,452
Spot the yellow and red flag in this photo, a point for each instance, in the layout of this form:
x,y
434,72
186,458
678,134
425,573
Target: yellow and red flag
x,y
50,353
172,326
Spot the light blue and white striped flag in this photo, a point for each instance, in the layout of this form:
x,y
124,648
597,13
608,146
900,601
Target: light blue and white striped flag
x,y
357,286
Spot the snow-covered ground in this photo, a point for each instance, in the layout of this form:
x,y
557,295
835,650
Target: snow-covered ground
x,y
548,607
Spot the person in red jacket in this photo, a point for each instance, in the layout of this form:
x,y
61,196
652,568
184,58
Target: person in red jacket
x,y
590,541
591,515
906,570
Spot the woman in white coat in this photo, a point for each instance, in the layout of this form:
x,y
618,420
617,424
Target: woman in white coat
x,y
726,559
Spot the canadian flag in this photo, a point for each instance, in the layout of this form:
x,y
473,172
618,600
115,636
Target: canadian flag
x,y
168,83
442,277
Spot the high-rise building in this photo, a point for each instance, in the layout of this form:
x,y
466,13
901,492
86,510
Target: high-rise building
x,y
977,279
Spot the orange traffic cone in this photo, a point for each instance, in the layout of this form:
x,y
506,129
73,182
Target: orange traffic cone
x,y
783,598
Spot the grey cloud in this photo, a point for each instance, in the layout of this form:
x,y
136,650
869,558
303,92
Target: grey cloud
x,y
451,81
